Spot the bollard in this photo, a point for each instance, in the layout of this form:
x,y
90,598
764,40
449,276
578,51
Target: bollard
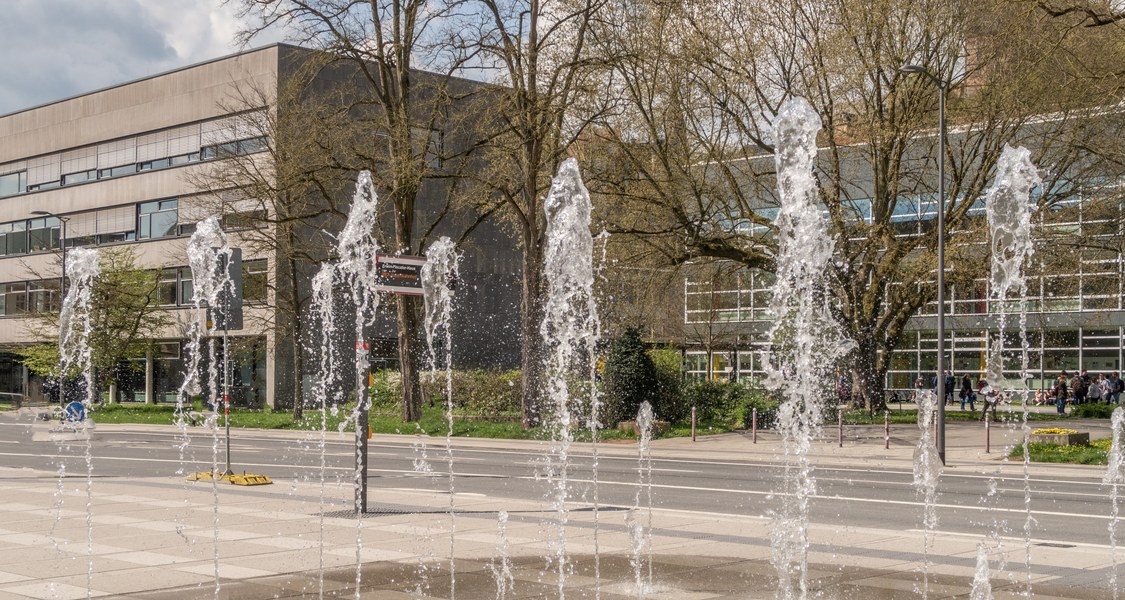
x,y
754,425
693,423
840,423
987,433
886,430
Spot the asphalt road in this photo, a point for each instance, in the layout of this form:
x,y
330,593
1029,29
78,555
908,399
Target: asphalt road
x,y
1065,509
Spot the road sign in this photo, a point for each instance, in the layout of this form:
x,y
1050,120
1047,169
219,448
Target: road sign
x,y
227,314
399,274
75,412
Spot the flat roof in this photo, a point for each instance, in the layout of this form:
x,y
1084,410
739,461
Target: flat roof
x,y
153,76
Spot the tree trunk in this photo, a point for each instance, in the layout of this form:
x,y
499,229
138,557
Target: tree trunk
x,y
407,321
531,342
298,368
867,380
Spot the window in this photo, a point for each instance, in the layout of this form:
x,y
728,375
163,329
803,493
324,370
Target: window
x,y
187,286
46,185
243,220
167,290
228,149
13,299
13,238
157,219
183,159
13,183
254,281
117,171
175,287
43,296
151,165
43,234
79,177
115,238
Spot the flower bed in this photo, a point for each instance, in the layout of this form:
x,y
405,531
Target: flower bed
x,y
1060,437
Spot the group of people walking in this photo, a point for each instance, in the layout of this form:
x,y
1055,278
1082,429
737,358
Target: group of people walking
x,y
968,393
1082,388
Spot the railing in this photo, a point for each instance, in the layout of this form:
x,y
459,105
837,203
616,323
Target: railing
x,y
15,399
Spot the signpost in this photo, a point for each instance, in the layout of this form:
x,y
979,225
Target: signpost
x,y
399,274
394,275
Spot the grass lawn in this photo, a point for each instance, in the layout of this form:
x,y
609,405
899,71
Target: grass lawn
x,y
952,413
433,422
1094,454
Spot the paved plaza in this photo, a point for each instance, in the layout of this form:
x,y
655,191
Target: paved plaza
x,y
165,538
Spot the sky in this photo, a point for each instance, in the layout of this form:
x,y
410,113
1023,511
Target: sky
x,y
54,49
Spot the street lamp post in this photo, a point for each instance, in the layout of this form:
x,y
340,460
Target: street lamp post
x,y
942,89
62,246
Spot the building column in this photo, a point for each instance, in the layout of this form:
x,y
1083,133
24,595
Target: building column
x,y
150,397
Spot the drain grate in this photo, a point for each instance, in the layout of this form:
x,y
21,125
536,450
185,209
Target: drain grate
x,y
1055,545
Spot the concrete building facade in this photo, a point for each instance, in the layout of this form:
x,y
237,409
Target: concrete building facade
x,y
119,165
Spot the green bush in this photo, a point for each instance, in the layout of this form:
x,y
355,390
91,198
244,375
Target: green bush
x,y
767,412
1093,411
629,378
669,405
476,392
718,401
386,391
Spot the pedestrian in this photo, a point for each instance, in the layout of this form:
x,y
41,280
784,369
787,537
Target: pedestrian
x,y
1117,386
1060,393
967,394
1078,388
950,382
1096,389
991,397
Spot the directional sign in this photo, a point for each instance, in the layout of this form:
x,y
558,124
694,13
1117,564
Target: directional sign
x,y
399,274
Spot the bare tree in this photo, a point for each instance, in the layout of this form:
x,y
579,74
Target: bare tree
x,y
385,115
536,53
694,149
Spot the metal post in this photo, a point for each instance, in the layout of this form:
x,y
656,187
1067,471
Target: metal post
x,y
62,245
840,424
939,424
987,433
941,270
361,427
886,430
226,393
754,425
693,423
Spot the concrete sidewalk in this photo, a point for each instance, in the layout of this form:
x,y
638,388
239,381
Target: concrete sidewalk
x,y
164,538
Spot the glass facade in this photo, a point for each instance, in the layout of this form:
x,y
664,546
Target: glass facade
x,y
1074,304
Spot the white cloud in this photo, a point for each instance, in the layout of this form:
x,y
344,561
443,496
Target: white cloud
x,y
54,49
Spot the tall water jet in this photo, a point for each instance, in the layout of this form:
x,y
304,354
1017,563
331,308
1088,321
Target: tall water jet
x,y
982,586
927,472
641,532
76,325
569,330
1115,477
804,343
207,251
438,274
1009,210
501,565
354,271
